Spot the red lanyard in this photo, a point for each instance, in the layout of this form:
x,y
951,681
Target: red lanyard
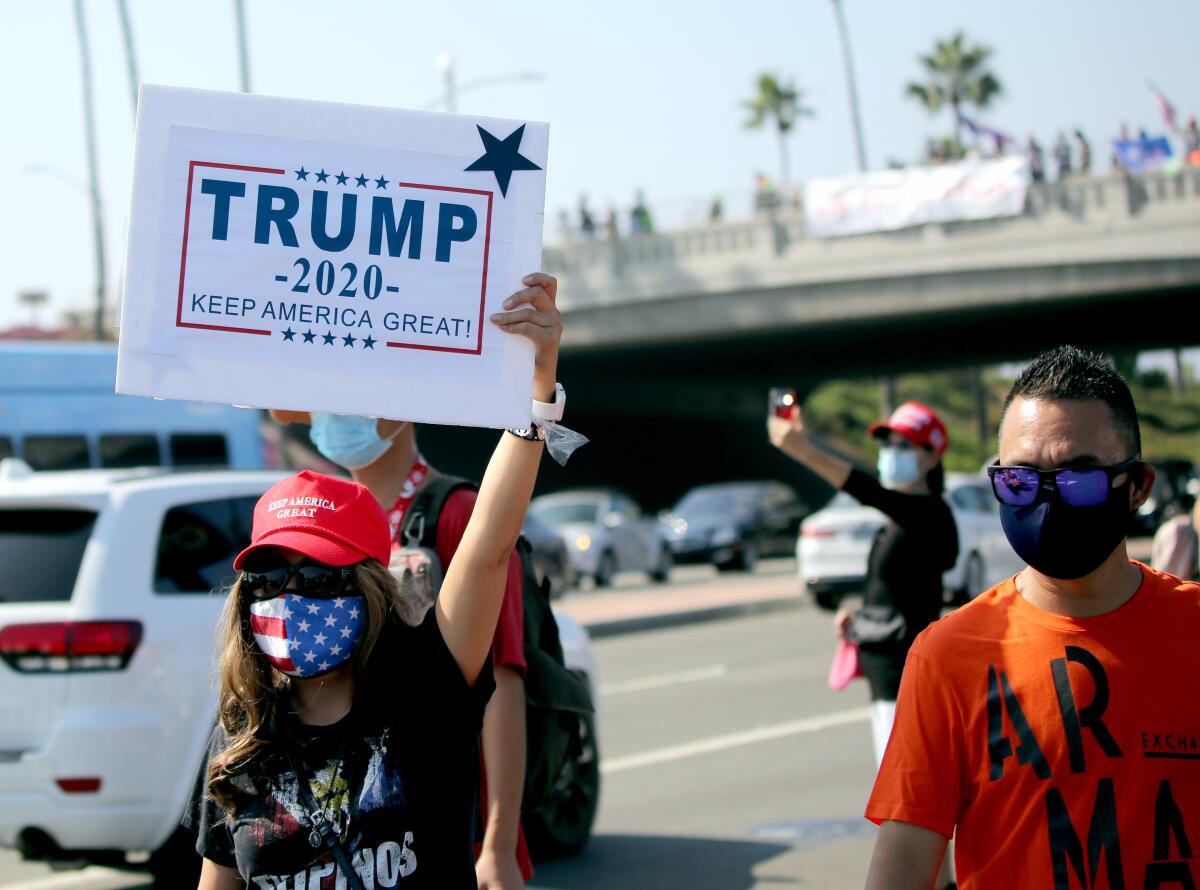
x,y
408,493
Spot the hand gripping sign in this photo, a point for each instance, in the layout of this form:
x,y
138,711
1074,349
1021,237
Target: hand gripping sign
x,y
325,257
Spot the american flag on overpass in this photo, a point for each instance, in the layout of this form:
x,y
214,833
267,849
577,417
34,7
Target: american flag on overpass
x,y
302,635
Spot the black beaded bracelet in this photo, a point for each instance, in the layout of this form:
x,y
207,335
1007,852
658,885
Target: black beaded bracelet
x,y
532,433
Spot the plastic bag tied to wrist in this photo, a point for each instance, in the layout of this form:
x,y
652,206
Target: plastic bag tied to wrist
x,y
560,441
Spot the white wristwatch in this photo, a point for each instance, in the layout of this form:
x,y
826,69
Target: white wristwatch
x,y
551,411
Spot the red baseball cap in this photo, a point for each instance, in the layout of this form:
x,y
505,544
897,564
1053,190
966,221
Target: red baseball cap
x,y
919,424
330,520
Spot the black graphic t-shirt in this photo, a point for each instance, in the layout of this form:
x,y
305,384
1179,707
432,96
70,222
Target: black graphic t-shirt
x,y
399,776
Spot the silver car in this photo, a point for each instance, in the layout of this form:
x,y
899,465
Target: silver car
x,y
606,532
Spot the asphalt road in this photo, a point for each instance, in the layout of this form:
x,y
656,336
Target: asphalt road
x,y
728,763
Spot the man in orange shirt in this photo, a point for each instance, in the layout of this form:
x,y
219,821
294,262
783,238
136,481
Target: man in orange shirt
x,y
1053,725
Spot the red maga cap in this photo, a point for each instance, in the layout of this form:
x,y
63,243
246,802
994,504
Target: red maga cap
x,y
330,520
919,424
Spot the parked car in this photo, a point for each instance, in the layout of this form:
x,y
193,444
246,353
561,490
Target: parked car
x,y
1175,476
732,524
606,533
112,588
550,557
831,552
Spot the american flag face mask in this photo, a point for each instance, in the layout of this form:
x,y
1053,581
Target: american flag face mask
x,y
307,636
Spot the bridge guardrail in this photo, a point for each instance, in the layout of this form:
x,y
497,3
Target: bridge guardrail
x,y
1111,199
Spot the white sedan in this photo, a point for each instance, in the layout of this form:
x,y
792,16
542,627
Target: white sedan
x,y
831,552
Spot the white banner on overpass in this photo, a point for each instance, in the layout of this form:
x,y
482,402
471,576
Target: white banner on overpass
x,y
896,199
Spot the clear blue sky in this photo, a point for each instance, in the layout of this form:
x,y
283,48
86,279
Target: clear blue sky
x,y
638,94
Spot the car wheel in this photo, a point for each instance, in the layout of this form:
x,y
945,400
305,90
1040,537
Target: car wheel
x,y
829,600
661,573
562,827
606,568
748,559
176,863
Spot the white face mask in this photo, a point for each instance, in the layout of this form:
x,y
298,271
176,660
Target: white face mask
x,y
898,467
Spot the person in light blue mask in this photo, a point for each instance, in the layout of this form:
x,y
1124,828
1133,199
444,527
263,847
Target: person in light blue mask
x,y
903,592
353,442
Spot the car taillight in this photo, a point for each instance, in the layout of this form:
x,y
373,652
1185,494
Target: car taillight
x,y
65,646
807,531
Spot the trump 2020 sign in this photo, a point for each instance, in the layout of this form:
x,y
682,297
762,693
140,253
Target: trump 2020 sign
x,y
326,257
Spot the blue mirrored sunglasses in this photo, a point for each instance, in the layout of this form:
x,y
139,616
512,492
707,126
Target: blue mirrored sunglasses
x,y
1077,486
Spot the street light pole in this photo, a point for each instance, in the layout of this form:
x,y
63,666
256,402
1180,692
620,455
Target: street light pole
x,y
130,52
89,122
851,85
453,89
239,9
446,62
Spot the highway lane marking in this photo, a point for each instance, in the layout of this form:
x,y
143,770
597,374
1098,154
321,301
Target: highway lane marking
x,y
658,681
94,877
734,740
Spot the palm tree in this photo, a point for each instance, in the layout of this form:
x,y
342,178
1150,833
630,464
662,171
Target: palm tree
x,y
779,102
956,75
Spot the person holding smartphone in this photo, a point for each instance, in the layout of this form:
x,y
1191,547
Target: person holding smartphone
x,y
347,747
903,591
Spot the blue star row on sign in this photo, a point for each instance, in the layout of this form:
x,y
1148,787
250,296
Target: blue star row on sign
x,y
328,338
502,157
343,178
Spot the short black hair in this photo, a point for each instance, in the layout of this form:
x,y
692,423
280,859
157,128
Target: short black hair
x,y
1065,373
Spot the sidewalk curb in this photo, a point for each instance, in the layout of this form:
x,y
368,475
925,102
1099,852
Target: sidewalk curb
x,y
661,620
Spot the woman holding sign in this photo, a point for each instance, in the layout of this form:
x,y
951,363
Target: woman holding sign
x,y
346,753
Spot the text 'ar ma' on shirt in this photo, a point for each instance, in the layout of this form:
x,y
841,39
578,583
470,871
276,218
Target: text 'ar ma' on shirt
x,y
400,773
1059,752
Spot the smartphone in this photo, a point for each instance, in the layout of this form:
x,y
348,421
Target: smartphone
x,y
782,401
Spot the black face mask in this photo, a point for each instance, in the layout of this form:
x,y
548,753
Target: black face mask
x,y
1066,542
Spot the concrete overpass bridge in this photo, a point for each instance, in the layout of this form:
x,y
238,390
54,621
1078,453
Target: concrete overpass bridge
x,y
673,338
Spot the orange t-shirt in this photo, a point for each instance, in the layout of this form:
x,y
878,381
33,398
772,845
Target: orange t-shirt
x,y
1065,752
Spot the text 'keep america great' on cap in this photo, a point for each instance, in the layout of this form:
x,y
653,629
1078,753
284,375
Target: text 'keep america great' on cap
x,y
333,521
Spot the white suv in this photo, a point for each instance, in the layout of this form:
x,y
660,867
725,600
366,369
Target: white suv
x,y
110,592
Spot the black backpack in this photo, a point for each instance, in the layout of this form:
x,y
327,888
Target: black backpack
x,y
555,696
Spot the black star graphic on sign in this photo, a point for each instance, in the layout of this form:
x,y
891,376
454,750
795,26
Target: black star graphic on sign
x,y
381,183
322,176
301,173
309,336
502,156
288,334
368,342
348,340
361,180
329,338
341,178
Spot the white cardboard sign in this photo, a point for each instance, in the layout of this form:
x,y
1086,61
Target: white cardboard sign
x,y
316,256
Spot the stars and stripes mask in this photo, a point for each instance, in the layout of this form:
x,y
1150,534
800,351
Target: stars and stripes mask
x,y
307,636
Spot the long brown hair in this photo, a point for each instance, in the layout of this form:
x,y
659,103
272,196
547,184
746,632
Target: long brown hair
x,y
251,689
